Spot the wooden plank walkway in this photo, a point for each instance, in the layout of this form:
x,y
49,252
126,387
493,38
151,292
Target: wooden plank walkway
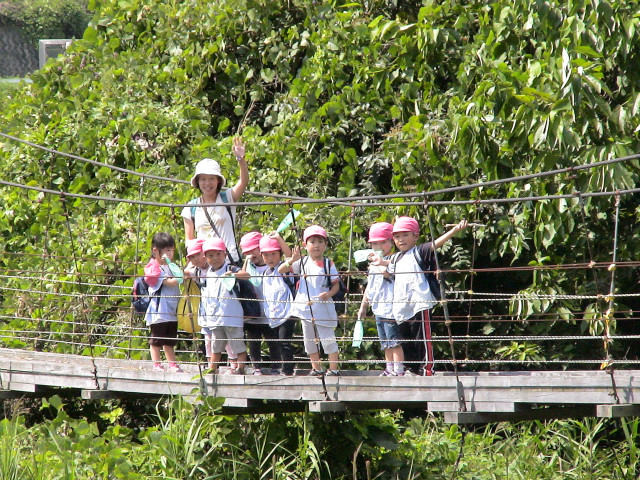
x,y
489,396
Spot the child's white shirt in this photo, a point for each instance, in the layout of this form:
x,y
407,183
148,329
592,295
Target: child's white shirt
x,y
314,283
411,292
380,291
277,297
220,307
163,308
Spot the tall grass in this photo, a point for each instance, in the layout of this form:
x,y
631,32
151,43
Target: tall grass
x,y
15,463
198,442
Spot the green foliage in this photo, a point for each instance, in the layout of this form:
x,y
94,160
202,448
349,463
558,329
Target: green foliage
x,y
334,99
186,441
45,19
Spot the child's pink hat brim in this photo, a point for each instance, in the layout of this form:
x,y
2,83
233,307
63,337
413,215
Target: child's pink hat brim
x,y
214,244
250,241
194,246
381,231
314,230
268,244
406,224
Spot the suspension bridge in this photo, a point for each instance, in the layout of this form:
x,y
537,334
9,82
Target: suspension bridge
x,y
68,328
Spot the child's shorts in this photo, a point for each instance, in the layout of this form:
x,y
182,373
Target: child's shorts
x,y
388,332
165,333
220,336
327,336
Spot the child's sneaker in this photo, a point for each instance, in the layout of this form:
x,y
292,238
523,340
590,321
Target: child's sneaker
x,y
174,368
315,373
236,371
158,368
333,373
257,371
388,373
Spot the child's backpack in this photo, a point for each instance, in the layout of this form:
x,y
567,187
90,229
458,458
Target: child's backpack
x,y
246,293
189,307
429,275
291,281
141,297
339,298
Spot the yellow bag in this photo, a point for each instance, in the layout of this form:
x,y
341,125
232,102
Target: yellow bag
x,y
188,307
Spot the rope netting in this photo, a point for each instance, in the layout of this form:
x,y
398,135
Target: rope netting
x,y
80,302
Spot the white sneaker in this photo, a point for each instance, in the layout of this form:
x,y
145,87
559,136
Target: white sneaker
x,y
158,368
175,369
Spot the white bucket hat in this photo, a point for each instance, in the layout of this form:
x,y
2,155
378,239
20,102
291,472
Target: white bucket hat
x,y
207,166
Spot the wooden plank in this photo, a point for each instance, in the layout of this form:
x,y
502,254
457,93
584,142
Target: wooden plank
x,y
21,387
533,414
327,407
236,402
618,410
472,406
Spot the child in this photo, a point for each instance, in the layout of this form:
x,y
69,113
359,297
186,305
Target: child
x,y
319,318
195,274
277,294
161,313
379,293
258,328
197,267
412,295
222,317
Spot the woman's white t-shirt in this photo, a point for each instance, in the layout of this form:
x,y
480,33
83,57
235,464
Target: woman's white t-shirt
x,y
220,217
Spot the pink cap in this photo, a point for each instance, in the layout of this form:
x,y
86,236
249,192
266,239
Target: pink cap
x,y
152,272
250,241
268,244
214,244
314,230
406,224
381,231
194,246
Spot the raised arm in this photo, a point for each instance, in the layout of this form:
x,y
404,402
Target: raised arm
x,y
286,250
441,240
243,180
285,267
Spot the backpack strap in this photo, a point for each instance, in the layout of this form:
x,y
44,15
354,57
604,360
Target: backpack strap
x,y
327,273
423,266
224,195
193,204
429,275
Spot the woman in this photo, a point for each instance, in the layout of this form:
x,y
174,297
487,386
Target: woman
x,y
216,220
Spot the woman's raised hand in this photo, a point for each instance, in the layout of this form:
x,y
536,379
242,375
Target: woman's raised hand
x,y
238,148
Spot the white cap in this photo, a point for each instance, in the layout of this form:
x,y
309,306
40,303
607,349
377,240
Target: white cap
x,y
207,166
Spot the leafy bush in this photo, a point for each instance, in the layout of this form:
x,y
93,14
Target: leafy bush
x,y
184,441
340,99
43,19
